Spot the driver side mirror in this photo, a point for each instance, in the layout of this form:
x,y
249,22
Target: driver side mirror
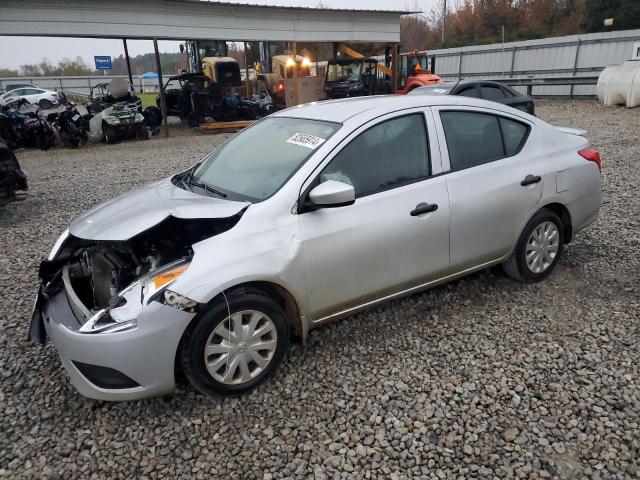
x,y
331,194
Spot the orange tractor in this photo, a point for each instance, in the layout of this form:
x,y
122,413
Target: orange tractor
x,y
414,70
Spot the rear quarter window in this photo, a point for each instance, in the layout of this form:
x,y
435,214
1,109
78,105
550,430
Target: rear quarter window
x,y
515,135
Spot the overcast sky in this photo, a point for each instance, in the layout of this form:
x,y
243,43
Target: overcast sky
x,y
16,51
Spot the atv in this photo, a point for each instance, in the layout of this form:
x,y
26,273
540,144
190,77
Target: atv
x,y
121,121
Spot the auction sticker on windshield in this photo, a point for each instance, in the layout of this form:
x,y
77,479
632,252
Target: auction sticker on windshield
x,y
306,140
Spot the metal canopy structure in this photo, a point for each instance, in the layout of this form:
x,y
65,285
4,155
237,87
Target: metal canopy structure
x,y
195,20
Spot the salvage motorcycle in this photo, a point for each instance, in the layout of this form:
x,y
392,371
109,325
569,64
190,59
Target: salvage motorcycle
x,y
72,127
28,128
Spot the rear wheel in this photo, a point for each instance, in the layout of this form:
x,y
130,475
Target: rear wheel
x,y
538,249
233,348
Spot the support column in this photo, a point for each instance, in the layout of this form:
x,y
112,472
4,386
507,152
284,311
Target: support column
x,y
163,100
295,73
394,67
575,65
126,57
246,70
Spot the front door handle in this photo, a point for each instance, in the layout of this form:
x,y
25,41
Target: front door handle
x,y
530,180
422,208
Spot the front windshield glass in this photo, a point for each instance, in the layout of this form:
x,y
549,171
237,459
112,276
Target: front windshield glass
x,y
255,163
344,72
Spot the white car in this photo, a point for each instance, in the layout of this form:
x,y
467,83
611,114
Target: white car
x,y
309,215
46,99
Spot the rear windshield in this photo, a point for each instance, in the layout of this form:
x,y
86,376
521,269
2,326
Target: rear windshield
x,y
255,163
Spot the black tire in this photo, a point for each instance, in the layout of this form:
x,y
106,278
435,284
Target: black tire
x,y
110,135
193,120
516,267
193,343
143,133
45,104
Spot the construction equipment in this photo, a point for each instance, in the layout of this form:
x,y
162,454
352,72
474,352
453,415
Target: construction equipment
x,y
283,68
414,70
224,71
355,77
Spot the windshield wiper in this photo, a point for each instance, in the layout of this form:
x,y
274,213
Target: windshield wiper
x,y
185,178
207,188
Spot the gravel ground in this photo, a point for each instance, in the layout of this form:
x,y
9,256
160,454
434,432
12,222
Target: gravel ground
x,y
483,377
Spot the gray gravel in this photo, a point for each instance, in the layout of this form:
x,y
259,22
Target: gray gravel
x,y
482,378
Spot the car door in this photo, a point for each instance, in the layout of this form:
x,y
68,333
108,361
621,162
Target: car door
x,y
396,234
495,180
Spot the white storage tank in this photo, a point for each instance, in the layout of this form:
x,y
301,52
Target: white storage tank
x,y
620,84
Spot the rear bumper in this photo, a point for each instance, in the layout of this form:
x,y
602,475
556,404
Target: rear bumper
x,y
143,355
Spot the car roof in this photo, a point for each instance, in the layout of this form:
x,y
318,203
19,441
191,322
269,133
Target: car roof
x,y
343,109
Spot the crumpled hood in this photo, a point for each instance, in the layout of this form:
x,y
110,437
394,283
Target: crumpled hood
x,y
136,211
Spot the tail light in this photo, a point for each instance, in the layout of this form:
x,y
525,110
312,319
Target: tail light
x,y
281,86
592,155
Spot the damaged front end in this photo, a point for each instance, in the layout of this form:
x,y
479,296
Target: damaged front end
x,y
101,286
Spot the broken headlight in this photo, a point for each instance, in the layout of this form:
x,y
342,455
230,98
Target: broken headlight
x,y
157,281
102,322
123,315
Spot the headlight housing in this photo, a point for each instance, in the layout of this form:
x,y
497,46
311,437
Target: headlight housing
x,y
156,281
133,299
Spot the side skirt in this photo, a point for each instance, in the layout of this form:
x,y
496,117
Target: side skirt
x,y
314,323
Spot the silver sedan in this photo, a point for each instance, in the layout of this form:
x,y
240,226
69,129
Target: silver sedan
x,y
310,215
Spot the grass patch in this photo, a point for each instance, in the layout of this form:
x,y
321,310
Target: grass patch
x,y
148,99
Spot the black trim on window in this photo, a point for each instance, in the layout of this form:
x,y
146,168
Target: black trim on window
x,y
504,147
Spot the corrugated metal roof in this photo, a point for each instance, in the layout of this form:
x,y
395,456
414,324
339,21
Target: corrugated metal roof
x,y
194,20
288,7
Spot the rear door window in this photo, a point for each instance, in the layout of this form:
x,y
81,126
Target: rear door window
x,y
469,92
490,92
475,138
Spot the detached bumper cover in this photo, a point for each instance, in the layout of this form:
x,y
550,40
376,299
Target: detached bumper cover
x,y
144,354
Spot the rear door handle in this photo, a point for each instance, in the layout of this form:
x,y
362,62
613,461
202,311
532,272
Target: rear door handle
x,y
530,180
422,208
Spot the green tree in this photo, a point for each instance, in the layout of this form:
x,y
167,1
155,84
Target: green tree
x,y
625,14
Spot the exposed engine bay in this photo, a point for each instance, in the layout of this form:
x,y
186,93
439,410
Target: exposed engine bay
x,y
98,270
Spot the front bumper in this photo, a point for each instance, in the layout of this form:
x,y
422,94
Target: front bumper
x,y
144,354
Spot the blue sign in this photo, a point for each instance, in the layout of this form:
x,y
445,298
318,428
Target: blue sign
x,y
103,62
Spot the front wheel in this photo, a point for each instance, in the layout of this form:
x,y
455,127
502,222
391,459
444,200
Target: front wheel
x,y
233,348
538,249
110,135
45,104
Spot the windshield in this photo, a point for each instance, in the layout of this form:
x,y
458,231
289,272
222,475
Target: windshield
x,y
255,163
343,72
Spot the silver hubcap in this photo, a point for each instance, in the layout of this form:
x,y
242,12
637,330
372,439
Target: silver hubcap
x,y
542,247
240,347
